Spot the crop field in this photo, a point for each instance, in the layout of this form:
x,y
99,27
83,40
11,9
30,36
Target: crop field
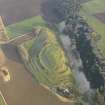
x,y
47,61
89,10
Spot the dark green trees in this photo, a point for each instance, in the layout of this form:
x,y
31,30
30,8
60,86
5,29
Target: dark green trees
x,y
67,8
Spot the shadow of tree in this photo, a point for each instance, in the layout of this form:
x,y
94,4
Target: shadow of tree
x,y
49,13
10,52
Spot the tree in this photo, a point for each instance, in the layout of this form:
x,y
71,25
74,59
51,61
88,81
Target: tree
x,y
66,8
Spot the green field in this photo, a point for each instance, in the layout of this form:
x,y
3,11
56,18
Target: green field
x,y
24,26
89,9
47,61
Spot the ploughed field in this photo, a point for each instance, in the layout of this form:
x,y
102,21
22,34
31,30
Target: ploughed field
x,y
13,11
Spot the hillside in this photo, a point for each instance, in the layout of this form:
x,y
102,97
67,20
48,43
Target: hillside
x,y
48,62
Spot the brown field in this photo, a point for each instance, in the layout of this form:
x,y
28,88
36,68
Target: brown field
x,y
101,17
17,10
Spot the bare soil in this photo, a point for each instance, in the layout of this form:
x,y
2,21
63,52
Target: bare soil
x,y
101,17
